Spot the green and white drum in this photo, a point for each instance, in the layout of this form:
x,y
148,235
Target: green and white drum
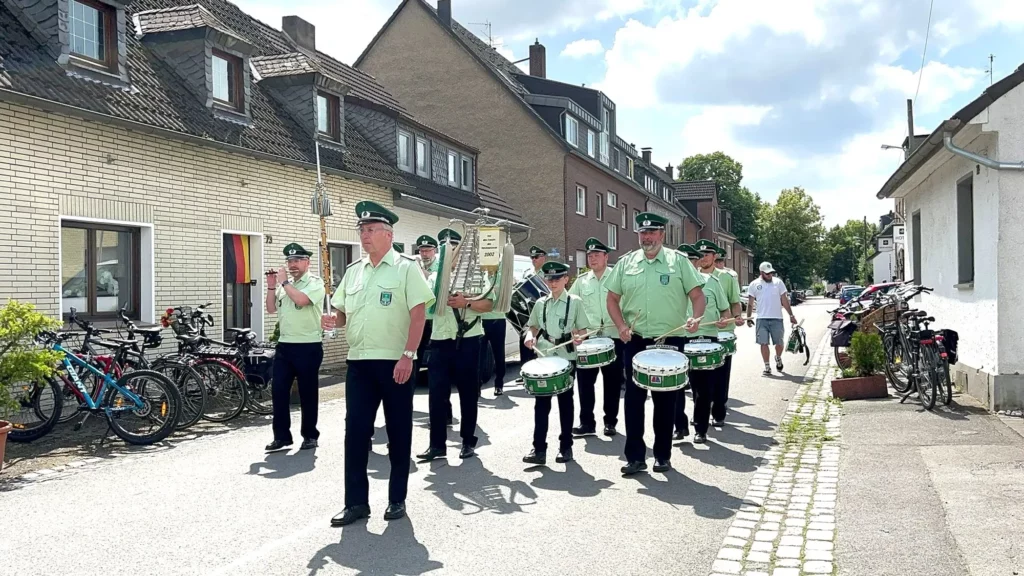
x,y
728,341
705,355
595,353
661,370
547,376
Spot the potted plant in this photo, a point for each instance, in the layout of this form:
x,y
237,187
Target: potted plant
x,y
865,378
21,360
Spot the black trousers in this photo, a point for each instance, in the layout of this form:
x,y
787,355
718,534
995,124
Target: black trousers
x,y
454,363
301,362
494,337
703,385
636,398
586,379
541,414
721,393
370,383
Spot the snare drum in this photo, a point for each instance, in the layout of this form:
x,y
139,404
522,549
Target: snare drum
x,y
547,376
728,341
705,355
661,370
595,353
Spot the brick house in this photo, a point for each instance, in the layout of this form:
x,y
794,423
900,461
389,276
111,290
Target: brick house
x,y
552,148
701,198
165,154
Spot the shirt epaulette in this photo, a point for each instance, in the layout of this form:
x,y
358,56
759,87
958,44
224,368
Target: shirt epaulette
x,y
407,257
354,263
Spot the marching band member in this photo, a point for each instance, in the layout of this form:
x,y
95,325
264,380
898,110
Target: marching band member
x,y
592,288
538,256
682,423
555,319
495,328
382,301
647,298
731,286
426,247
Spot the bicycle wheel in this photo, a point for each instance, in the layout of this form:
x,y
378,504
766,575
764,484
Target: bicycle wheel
x,y
70,398
226,390
39,408
259,394
945,382
843,358
190,387
927,377
156,417
894,363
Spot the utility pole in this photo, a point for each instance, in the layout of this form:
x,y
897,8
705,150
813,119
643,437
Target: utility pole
x,y
864,236
910,129
991,67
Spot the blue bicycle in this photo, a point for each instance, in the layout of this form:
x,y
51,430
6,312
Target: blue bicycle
x,y
141,406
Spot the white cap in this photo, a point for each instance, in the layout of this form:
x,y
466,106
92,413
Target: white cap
x,y
766,268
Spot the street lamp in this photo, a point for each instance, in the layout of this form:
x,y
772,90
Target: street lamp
x,y
891,147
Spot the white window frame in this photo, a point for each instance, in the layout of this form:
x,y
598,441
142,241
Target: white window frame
x,y
630,167
581,259
466,172
453,169
572,131
581,200
635,214
590,143
599,214
409,151
625,215
613,236
425,172
613,200
606,131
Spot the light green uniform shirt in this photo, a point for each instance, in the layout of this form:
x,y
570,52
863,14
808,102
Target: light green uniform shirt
x,y
594,293
555,313
495,314
716,304
376,302
654,292
301,325
731,288
447,327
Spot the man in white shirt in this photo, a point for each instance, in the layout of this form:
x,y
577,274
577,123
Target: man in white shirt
x,y
770,295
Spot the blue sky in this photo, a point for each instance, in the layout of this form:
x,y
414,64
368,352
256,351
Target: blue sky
x,y
802,92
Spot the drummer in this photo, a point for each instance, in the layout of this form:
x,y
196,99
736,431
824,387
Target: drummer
x,y
592,289
426,247
557,318
731,286
717,316
648,291
538,256
682,423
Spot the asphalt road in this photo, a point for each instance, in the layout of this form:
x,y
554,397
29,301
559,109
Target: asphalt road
x,y
219,505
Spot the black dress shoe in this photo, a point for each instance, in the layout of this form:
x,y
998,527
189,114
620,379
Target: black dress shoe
x,y
681,434
432,454
584,430
610,431
451,420
633,468
718,423
350,515
308,444
564,456
700,439
498,391
662,465
467,452
395,511
535,457
277,445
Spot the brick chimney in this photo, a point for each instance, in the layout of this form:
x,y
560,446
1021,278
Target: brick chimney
x,y
301,32
646,153
444,12
538,60
669,170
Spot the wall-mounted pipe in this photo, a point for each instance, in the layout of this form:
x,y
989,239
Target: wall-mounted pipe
x,y
947,141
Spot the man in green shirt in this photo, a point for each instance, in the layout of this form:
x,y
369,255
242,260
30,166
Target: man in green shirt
x,y
556,318
648,292
382,304
297,297
592,288
495,329
717,316
538,256
731,286
426,247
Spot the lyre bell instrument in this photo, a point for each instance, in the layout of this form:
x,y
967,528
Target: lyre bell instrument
x,y
472,267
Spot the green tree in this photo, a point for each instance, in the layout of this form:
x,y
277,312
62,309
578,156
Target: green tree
x,y
844,252
21,361
791,236
727,173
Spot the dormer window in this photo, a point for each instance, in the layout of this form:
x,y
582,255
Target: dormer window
x,y
328,109
92,31
227,79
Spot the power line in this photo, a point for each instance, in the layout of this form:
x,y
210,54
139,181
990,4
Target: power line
x,y
924,53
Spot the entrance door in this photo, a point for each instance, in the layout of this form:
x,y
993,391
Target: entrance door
x,y
238,283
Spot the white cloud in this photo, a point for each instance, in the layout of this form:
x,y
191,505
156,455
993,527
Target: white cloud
x,y
582,48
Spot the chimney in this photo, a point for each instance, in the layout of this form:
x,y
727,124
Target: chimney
x,y
538,60
669,170
301,32
444,12
646,153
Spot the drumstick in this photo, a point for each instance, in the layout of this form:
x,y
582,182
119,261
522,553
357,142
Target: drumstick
x,y
705,325
563,344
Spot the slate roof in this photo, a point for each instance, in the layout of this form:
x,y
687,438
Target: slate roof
x,y
284,65
499,207
180,18
695,190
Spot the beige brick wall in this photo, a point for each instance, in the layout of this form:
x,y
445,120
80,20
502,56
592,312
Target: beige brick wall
x,y
53,165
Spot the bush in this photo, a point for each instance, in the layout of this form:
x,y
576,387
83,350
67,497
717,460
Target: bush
x,y
867,354
818,289
21,360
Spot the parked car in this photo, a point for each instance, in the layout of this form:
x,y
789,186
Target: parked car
x,y
883,288
849,292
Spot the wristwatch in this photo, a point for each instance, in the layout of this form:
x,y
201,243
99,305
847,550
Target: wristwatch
x,y
409,354
286,282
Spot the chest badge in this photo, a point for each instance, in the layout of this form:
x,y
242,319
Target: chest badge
x,y
664,279
385,298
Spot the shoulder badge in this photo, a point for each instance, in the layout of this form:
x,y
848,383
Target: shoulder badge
x,y
408,257
733,272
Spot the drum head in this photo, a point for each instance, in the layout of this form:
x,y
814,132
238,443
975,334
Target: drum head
x,y
595,345
661,360
726,336
703,347
543,367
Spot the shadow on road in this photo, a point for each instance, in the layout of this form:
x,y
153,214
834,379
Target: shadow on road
x,y
679,491
471,488
719,455
575,481
394,552
735,416
284,465
603,446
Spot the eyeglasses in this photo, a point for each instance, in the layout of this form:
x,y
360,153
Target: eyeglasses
x,y
368,231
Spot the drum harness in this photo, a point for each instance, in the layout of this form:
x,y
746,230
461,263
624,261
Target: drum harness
x,y
463,327
566,336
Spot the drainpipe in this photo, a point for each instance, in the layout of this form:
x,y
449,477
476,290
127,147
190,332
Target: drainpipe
x,y
947,141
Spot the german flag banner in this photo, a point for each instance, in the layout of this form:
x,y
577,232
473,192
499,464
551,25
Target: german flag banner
x,y
236,259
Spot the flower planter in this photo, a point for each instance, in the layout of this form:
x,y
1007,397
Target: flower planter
x,y
5,427
860,388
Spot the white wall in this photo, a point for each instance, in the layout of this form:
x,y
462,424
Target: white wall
x,y
411,225
883,267
971,312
